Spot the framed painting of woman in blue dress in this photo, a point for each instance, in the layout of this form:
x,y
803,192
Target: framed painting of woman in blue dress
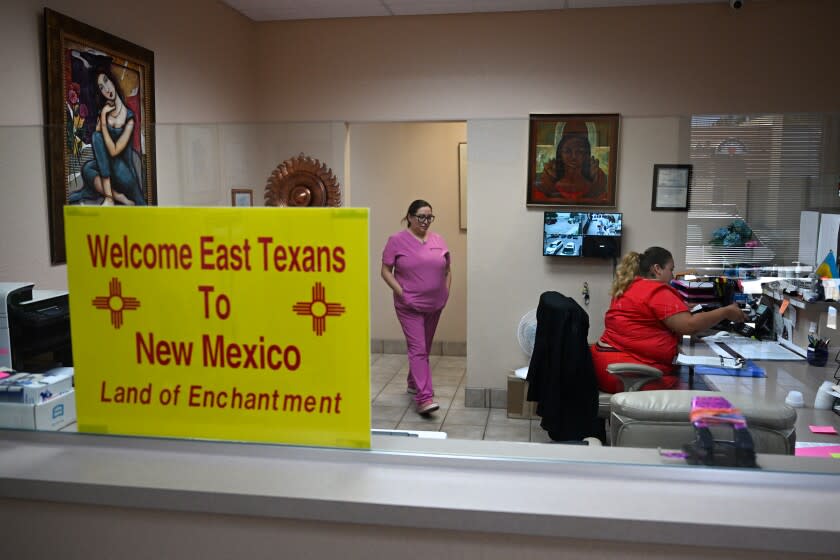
x,y
100,117
572,160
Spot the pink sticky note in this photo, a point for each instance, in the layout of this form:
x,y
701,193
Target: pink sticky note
x,y
823,451
823,429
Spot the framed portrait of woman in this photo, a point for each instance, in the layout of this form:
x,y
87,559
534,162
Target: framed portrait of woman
x,y
572,160
100,115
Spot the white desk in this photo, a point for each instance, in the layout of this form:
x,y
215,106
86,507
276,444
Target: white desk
x,y
782,377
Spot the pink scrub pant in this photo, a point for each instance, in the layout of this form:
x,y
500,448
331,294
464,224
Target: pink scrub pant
x,y
419,330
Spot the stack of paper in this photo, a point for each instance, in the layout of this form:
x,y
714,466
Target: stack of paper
x,y
719,361
35,388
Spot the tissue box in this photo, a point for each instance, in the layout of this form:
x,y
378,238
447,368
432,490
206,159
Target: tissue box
x,y
517,394
33,388
52,414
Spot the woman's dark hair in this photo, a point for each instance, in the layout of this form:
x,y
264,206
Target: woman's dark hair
x,y
105,71
652,256
414,207
560,168
635,264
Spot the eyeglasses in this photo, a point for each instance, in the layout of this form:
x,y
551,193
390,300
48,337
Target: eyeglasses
x,y
425,218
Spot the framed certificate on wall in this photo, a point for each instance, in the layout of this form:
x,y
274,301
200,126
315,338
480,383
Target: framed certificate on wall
x,y
670,187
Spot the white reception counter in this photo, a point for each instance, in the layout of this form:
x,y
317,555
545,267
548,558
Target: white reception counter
x,y
606,497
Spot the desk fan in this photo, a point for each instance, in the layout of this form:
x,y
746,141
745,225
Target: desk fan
x,y
526,332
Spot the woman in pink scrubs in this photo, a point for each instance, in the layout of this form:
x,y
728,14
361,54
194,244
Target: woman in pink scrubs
x,y
415,265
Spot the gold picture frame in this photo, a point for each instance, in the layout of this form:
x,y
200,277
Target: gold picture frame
x,y
572,160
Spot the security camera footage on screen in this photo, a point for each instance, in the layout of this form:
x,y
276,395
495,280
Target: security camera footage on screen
x,y
582,234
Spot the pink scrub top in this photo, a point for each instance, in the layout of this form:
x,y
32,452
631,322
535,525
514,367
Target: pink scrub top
x,y
420,268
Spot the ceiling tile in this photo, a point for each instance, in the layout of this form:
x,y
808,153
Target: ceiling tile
x,y
276,10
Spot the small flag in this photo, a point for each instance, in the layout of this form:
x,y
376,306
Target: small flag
x,y
828,268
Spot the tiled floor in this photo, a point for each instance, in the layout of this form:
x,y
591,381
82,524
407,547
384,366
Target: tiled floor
x,y
393,408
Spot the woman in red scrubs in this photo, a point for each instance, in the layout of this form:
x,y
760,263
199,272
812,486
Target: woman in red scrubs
x,y
646,319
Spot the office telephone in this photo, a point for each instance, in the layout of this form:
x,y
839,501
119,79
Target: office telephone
x,y
762,319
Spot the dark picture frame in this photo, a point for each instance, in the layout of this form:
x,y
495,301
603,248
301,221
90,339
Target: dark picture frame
x,y
241,197
572,160
671,187
93,75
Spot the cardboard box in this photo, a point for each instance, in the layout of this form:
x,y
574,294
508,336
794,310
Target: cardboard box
x,y
53,414
517,394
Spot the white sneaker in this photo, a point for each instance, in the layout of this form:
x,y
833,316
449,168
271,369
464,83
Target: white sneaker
x,y
427,407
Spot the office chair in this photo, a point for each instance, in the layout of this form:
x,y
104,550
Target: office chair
x,y
561,376
633,377
662,419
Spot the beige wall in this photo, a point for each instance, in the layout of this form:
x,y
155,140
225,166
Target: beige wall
x,y
204,55
774,55
505,262
212,66
495,69
491,70
198,164
204,72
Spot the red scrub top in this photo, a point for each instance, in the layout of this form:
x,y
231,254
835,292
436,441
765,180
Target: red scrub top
x,y
634,323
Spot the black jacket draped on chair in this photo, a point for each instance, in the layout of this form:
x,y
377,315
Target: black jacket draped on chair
x,y
561,378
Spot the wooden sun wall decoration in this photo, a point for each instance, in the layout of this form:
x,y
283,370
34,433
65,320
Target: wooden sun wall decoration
x,y
302,181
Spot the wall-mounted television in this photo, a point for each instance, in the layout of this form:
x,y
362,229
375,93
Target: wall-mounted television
x,y
582,234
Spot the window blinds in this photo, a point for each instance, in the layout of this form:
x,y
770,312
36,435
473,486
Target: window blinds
x,y
762,169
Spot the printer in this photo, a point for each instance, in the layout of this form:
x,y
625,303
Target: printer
x,y
34,328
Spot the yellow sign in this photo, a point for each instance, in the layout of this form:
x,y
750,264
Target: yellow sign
x,y
245,324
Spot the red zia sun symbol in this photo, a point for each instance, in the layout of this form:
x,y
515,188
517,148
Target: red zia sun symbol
x,y
318,308
116,302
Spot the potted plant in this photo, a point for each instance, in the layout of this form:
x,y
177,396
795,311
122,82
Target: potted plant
x,y
736,234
